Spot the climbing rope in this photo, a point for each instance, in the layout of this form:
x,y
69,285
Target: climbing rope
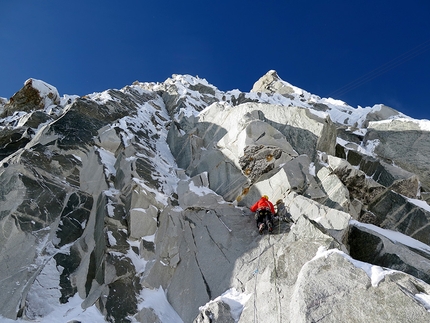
x,y
278,304
399,60
256,272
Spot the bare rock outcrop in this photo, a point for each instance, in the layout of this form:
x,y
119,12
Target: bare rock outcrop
x,y
35,95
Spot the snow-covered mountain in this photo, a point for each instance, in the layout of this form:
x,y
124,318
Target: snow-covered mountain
x,y
132,205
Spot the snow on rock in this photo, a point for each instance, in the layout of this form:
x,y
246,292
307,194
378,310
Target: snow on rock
x,y
339,111
111,239
422,204
394,235
423,299
156,299
68,312
159,232
234,299
402,122
108,160
46,91
102,97
375,273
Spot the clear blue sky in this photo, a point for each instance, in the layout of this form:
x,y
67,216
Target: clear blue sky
x,y
362,52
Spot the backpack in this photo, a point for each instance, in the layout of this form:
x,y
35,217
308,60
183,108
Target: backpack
x,y
265,206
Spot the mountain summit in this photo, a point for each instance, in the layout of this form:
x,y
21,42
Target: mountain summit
x,y
132,205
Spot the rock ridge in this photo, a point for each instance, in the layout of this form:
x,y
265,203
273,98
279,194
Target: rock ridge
x,y
135,202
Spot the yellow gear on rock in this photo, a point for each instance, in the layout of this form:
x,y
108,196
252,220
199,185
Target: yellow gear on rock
x,y
265,197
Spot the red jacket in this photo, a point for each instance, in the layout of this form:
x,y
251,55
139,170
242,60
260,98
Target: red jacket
x,y
261,204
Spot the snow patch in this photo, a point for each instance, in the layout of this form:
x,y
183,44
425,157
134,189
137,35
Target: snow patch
x,y
108,160
420,203
102,98
320,114
150,238
68,99
68,312
45,291
47,92
234,299
312,169
424,299
375,273
370,147
200,190
422,124
111,239
77,157
157,300
139,263
393,236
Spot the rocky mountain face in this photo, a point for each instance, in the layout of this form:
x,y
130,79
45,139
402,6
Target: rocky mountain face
x,y
136,202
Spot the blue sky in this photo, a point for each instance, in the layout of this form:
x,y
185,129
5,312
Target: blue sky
x,y
362,52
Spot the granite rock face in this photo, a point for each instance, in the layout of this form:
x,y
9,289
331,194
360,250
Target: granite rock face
x,y
135,202
403,143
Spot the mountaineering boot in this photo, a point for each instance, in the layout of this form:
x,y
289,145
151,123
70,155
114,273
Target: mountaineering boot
x,y
261,228
270,227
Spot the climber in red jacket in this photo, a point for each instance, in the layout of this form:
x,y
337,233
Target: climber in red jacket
x,y
264,211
